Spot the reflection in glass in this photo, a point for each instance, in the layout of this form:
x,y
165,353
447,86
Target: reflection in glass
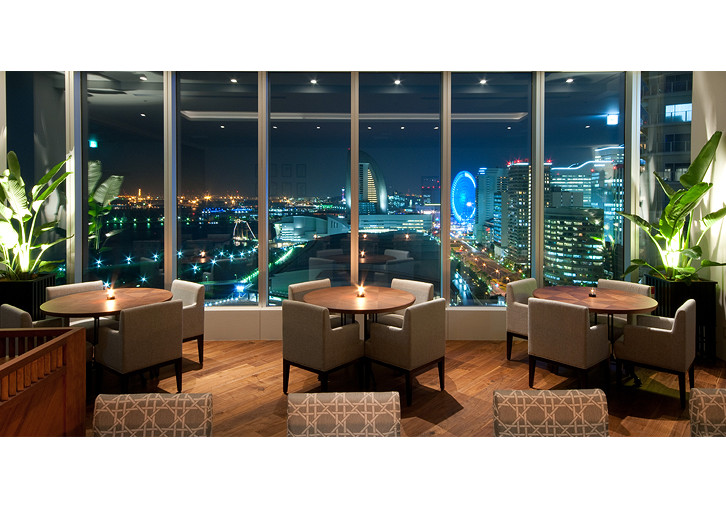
x,y
309,140
491,185
584,147
125,171
400,177
36,133
217,186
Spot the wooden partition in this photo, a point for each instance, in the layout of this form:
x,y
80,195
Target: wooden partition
x,y
42,382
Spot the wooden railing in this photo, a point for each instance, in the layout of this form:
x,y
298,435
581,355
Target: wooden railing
x,y
42,382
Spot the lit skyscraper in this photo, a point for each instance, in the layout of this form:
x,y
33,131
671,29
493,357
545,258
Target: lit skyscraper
x,y
372,193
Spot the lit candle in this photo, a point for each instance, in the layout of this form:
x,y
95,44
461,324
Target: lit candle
x,y
361,291
109,293
362,253
592,292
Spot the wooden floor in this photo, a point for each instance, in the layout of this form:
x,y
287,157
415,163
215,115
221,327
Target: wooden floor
x,y
245,379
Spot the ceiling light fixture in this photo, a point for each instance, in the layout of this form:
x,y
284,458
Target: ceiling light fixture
x,y
569,80
221,127
233,80
482,82
587,127
397,82
143,115
403,127
142,77
314,81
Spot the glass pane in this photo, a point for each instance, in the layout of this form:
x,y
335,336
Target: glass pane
x,y
400,177
490,190
584,148
36,133
309,156
665,143
217,187
125,167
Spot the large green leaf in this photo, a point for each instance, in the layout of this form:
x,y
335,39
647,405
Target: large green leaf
x,y
694,252
94,175
669,191
14,167
8,235
108,190
710,219
711,263
683,202
637,220
703,161
50,189
15,195
47,177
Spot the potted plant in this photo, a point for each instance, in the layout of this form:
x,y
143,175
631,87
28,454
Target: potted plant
x,y
675,276
23,271
100,196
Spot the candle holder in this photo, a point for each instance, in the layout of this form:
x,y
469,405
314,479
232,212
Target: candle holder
x,y
592,292
110,294
361,292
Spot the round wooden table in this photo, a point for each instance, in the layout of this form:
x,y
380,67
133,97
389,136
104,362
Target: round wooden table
x,y
345,300
94,303
606,301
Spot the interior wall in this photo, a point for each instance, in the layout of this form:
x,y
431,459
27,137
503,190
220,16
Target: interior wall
x,y
709,116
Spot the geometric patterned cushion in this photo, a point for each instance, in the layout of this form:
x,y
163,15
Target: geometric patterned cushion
x,y
550,413
354,414
153,415
708,412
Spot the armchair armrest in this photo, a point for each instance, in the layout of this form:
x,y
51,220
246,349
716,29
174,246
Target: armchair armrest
x,y
654,321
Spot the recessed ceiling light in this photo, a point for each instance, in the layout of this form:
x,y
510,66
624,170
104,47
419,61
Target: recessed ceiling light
x,y
370,127
397,82
317,127
142,77
221,127
482,82
143,115
509,127
436,127
274,127
313,81
587,127
569,80
403,127
233,80
612,119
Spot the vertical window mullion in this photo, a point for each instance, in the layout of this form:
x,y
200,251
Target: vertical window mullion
x,y
537,199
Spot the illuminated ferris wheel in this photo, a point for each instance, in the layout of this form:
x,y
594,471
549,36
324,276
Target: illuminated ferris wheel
x,y
463,197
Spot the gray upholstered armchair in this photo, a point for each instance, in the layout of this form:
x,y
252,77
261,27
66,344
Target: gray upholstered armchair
x,y
620,320
153,415
518,292
422,292
661,343
296,291
309,342
192,296
550,413
707,410
354,414
57,291
148,336
561,333
416,346
15,318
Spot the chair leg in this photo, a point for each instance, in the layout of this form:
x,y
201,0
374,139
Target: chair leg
x,y
509,345
124,383
285,375
532,362
200,350
682,388
409,389
619,372
691,376
178,373
324,381
583,378
441,374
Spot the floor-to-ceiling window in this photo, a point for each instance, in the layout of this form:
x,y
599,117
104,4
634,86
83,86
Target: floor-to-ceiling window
x,y
665,142
125,174
217,185
584,168
309,146
399,170
491,185
36,133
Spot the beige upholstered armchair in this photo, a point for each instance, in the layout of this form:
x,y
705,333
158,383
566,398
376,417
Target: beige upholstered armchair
x,y
561,333
354,414
416,346
518,292
153,415
550,413
309,342
57,291
422,292
707,409
15,318
620,320
661,343
148,336
192,296
330,252
296,291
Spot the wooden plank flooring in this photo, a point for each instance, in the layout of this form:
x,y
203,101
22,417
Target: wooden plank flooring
x,y
245,378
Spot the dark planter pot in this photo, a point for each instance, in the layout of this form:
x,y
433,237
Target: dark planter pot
x,y
27,294
671,295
